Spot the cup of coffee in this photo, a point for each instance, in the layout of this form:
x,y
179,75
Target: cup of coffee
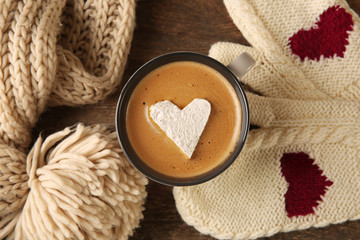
x,y
175,80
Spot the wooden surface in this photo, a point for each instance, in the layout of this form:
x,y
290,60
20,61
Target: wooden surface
x,y
164,26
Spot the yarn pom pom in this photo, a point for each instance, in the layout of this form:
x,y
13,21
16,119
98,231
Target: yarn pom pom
x,y
81,187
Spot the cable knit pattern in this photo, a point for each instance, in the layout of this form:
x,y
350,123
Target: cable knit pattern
x,y
76,184
308,118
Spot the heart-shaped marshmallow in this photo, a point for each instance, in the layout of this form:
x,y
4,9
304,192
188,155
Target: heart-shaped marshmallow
x,y
184,127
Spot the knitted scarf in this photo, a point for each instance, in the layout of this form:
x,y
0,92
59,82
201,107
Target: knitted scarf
x,y
76,184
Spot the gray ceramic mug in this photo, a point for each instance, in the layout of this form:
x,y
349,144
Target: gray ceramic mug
x,y
232,73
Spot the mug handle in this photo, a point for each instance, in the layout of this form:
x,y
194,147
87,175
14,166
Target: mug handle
x,y
241,65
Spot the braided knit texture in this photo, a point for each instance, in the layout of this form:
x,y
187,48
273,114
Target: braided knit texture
x,y
76,184
300,167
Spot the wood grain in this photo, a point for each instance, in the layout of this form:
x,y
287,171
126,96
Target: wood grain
x,y
165,26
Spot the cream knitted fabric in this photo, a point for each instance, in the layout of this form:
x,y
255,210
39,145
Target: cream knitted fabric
x,y
281,73
92,50
300,168
88,58
63,52
249,199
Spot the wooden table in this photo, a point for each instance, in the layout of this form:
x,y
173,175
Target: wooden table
x,y
164,26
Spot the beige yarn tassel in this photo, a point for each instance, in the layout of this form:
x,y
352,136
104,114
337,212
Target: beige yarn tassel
x,y
76,184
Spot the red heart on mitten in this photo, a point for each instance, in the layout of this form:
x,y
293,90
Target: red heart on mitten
x,y
328,38
306,183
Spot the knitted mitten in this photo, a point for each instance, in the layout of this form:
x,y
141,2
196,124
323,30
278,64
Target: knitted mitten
x,y
300,168
304,49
